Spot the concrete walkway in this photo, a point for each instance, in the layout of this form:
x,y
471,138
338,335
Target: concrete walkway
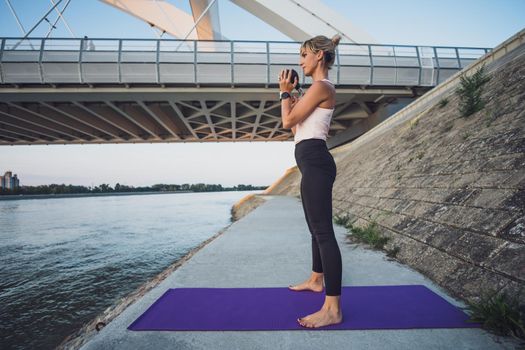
x,y
270,247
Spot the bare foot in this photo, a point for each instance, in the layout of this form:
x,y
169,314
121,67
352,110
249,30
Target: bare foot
x,y
314,286
323,317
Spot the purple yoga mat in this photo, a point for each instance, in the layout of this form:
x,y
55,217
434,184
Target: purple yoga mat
x,y
251,309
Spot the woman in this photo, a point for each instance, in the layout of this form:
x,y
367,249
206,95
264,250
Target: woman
x,y
309,118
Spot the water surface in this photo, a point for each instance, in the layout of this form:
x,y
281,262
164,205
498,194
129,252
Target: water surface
x,y
63,261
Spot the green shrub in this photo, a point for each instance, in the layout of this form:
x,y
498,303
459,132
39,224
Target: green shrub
x,y
470,91
443,102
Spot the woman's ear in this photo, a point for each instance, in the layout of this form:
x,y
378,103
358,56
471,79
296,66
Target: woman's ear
x,y
319,55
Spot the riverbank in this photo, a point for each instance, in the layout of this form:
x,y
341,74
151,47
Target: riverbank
x,y
76,340
73,195
245,205
269,248
90,254
90,329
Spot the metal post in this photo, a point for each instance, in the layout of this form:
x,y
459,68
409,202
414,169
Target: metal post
x,y
420,67
338,78
371,64
457,57
195,61
157,61
395,63
437,64
231,63
42,43
119,59
267,64
2,79
80,71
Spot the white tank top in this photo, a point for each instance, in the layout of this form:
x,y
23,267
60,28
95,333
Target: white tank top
x,y
316,125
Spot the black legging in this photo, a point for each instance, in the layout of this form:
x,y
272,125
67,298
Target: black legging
x,y
318,172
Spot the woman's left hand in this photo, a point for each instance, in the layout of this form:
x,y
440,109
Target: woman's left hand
x,y
285,83
294,101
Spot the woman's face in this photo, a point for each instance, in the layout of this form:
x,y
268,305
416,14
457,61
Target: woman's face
x,y
309,60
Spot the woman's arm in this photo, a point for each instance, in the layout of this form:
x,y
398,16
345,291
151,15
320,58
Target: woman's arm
x,y
294,102
316,94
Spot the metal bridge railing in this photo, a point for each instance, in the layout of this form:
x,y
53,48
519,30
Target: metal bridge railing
x,y
172,61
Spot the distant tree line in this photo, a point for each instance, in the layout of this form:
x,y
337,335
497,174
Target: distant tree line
x,y
106,188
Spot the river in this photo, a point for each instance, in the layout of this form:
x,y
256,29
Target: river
x,y
63,261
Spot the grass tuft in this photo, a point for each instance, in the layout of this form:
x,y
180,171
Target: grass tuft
x,y
393,252
499,313
443,102
368,234
343,220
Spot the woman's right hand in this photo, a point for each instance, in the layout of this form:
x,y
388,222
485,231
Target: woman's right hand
x,y
284,80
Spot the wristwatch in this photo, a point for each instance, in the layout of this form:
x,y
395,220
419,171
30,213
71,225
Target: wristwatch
x,y
284,95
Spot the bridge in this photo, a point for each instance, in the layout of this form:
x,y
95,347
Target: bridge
x,y
69,91
199,86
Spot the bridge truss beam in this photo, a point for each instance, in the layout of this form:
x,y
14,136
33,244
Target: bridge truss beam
x,y
120,115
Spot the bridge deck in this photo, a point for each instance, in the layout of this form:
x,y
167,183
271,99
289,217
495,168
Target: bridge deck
x,y
230,63
67,91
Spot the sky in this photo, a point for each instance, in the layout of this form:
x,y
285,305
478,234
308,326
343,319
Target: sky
x,y
469,23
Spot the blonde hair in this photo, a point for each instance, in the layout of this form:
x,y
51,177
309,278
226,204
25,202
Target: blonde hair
x,y
322,43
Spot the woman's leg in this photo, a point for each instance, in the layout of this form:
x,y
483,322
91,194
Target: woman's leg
x,y
315,281
318,183
317,193
316,255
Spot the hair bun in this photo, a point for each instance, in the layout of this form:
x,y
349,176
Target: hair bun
x,y
336,39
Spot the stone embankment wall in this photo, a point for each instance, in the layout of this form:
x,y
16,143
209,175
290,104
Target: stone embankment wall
x,y
448,190
245,206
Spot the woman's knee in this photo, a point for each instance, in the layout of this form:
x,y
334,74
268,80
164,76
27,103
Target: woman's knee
x,y
323,234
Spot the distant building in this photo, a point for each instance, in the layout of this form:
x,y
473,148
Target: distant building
x,y
9,181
